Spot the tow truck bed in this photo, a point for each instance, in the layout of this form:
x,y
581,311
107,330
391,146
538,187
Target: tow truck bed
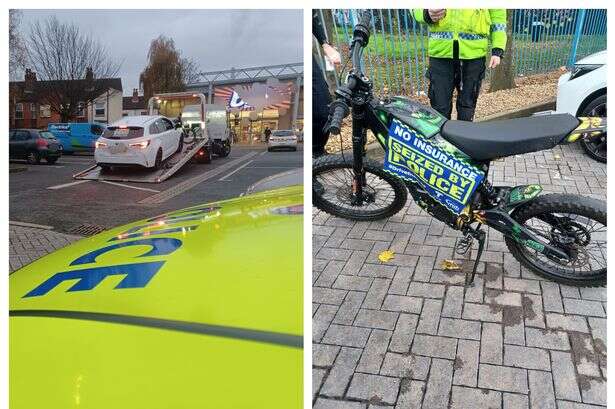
x,y
136,174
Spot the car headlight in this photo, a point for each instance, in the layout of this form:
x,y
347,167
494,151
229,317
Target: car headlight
x,y
581,69
100,144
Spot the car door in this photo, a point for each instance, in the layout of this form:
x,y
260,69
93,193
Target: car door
x,y
20,144
166,136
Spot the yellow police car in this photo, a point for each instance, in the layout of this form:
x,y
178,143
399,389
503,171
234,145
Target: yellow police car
x,y
198,308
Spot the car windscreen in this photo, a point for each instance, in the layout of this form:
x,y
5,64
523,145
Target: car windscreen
x,y
123,132
282,133
46,135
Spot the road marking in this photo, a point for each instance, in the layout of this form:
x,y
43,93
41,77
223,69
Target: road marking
x,y
263,152
56,187
192,182
129,186
235,171
33,225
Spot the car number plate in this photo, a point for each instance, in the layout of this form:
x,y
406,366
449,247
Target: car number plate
x,y
117,148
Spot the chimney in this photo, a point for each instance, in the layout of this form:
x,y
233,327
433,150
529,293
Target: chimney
x,y
89,74
135,95
29,79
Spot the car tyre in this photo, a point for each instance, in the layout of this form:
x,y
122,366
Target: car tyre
x,y
596,148
51,161
180,145
158,162
33,158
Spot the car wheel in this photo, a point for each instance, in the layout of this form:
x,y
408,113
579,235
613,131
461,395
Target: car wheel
x,y
33,158
158,162
105,168
51,161
595,147
180,145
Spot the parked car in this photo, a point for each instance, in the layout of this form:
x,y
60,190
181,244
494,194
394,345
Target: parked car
x,y
77,136
138,140
282,139
34,145
176,311
582,92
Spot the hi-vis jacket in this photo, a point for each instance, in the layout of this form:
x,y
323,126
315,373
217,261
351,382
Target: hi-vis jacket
x,y
472,28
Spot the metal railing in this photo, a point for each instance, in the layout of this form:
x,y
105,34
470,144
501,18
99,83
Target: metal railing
x,y
396,57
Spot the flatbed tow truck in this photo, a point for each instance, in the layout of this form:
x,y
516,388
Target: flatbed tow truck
x,y
205,133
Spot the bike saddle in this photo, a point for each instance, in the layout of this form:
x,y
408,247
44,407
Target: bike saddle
x,y
497,139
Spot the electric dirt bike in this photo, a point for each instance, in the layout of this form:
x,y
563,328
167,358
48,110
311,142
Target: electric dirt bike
x,y
444,165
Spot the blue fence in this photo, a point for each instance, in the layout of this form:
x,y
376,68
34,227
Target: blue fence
x,y
396,57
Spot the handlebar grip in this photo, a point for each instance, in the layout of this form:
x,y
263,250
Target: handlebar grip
x,y
337,112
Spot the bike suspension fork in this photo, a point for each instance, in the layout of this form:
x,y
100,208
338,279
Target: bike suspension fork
x,y
359,134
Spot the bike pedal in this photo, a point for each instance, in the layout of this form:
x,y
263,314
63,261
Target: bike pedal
x,y
463,244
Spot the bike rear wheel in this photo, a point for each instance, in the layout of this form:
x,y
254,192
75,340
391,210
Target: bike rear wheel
x,y
332,192
580,230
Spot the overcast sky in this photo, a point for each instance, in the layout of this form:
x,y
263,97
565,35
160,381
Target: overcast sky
x,y
214,39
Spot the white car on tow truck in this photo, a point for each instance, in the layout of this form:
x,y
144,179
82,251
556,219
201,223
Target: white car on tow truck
x,y
145,141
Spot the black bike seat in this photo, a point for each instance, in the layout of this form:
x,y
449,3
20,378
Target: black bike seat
x,y
496,139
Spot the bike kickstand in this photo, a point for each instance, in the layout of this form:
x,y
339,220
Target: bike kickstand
x,y
469,277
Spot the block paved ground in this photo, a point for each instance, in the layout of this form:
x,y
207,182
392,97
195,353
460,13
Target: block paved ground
x,y
27,244
399,334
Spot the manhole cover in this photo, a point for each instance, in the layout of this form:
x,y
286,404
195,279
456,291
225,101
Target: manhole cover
x,y
87,229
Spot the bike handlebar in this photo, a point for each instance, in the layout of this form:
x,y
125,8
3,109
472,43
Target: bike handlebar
x,y
338,109
337,112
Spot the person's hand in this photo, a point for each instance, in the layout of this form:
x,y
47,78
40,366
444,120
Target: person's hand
x,y
495,61
332,54
436,14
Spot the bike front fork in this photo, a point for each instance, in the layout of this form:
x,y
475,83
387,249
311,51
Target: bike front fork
x,y
359,136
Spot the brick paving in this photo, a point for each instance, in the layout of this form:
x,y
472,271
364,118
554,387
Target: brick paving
x,y
399,334
27,244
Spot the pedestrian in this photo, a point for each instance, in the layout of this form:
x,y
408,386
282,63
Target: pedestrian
x,y
267,134
458,46
321,98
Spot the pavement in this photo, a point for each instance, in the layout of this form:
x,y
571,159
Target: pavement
x,y
400,334
48,194
28,243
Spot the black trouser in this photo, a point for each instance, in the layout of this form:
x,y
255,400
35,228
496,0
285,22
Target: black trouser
x,y
321,98
447,74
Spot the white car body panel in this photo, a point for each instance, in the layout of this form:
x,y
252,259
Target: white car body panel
x,y
572,93
120,151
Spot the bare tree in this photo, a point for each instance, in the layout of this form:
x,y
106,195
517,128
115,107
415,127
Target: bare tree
x,y
17,52
504,75
166,70
70,64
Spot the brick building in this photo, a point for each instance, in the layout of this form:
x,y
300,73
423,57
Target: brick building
x,y
27,109
134,105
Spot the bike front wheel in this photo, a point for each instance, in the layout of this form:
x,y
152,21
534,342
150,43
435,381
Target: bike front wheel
x,y
332,189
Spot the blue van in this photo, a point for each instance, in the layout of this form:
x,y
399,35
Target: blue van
x,y
77,136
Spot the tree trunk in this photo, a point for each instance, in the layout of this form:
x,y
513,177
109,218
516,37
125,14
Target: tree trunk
x,y
503,77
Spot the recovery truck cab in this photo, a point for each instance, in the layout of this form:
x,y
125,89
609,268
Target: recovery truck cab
x,y
199,120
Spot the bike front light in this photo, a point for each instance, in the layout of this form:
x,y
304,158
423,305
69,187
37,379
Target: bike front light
x,y
581,69
140,145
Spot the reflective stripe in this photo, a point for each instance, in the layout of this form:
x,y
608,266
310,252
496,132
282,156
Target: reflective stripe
x,y
498,27
447,35
468,36
441,35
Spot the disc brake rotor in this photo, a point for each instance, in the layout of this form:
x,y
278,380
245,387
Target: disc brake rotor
x,y
345,194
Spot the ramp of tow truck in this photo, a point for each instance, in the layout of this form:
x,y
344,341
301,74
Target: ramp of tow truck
x,y
141,175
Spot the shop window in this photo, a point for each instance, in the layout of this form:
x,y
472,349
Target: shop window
x,y
33,110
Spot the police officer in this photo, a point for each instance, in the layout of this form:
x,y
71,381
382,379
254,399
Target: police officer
x,y
458,46
321,97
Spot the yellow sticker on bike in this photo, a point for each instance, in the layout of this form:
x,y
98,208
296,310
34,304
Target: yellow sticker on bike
x,y
445,176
